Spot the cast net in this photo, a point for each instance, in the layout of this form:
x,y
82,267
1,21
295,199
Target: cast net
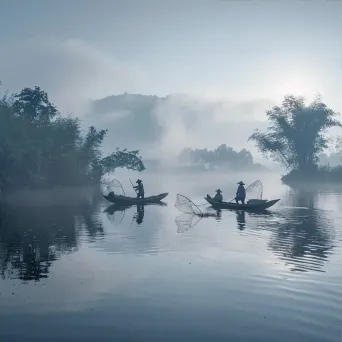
x,y
186,206
116,187
186,221
254,191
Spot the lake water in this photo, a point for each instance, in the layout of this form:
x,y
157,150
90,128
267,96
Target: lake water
x,y
72,272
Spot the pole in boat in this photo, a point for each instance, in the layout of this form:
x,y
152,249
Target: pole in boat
x,y
132,185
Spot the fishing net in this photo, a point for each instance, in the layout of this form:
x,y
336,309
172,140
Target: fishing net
x,y
115,214
116,187
186,221
186,206
116,217
254,191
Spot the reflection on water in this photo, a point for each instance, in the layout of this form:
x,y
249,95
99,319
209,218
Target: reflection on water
x,y
186,221
116,212
241,219
276,272
32,238
303,237
300,237
140,213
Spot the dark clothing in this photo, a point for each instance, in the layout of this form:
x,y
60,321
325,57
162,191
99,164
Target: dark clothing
x,y
241,191
140,190
218,198
240,194
242,199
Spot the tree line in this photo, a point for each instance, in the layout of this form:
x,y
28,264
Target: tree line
x,y
221,158
41,148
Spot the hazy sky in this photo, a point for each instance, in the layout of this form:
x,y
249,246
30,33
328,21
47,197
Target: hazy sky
x,y
242,50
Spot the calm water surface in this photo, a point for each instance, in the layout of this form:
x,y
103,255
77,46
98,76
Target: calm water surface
x,y
76,272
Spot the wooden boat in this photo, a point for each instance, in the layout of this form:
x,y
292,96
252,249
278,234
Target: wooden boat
x,y
118,199
252,205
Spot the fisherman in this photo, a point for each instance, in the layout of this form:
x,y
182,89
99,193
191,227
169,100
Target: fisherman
x,y
240,193
218,197
139,189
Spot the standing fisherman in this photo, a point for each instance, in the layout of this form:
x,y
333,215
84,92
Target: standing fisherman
x,y
240,193
139,189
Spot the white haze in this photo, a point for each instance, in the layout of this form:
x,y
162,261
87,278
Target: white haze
x,y
74,73
188,121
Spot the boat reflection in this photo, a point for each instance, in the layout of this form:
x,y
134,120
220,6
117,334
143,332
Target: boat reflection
x,y
241,217
116,212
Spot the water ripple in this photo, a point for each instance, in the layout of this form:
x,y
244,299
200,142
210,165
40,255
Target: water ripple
x,y
272,276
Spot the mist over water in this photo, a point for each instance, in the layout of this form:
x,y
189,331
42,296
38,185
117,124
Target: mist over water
x,y
178,91
103,274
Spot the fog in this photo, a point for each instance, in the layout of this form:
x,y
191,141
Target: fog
x,y
74,73
213,78
162,127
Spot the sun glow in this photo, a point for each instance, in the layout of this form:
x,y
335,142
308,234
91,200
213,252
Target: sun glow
x,y
295,85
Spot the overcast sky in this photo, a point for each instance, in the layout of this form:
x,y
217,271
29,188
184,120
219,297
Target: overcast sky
x,y
237,49
241,51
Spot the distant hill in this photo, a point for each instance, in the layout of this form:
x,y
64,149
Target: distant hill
x,y
150,123
129,117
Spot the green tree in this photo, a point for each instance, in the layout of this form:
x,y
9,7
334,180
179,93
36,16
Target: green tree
x,y
41,148
34,106
296,134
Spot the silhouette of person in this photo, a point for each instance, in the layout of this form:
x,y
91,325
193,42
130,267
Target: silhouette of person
x,y
240,193
141,213
139,189
218,197
218,215
241,219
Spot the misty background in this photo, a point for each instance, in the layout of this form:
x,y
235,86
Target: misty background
x,y
164,75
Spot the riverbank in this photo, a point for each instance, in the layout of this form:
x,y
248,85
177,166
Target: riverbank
x,y
322,175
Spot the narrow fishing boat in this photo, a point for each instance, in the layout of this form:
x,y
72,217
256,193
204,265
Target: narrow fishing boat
x,y
119,199
254,204
117,196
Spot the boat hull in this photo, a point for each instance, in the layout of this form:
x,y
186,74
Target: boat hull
x,y
236,206
132,200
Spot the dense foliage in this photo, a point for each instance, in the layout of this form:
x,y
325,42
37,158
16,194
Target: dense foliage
x,y
40,148
222,157
296,135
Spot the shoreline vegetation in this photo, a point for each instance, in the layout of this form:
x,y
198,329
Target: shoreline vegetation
x,y
323,174
295,138
41,149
